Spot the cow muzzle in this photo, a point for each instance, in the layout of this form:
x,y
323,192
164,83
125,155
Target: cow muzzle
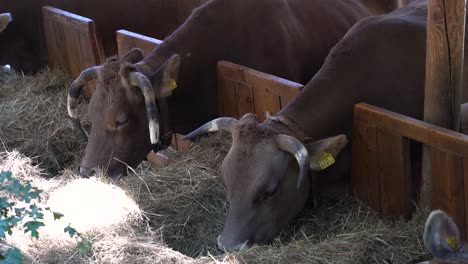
x,y
231,246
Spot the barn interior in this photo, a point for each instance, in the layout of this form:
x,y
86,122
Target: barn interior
x,y
168,214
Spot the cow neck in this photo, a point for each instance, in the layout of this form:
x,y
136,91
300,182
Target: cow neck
x,y
283,125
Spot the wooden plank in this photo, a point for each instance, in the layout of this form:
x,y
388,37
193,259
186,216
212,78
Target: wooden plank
x,y
227,98
231,71
265,101
447,185
395,174
365,175
434,136
71,42
127,40
444,62
269,93
274,85
244,100
465,184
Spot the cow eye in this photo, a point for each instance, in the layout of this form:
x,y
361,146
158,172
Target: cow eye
x,y
120,123
269,193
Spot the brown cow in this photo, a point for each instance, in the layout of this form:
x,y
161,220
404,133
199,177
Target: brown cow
x,y
23,44
288,38
4,20
442,239
380,61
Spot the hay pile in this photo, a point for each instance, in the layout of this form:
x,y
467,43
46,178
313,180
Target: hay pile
x,y
33,119
183,205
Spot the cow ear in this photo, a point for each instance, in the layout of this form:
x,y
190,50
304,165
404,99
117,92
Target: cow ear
x,y
323,153
170,75
441,234
133,56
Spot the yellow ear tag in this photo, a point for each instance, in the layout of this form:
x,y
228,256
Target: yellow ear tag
x,y
326,160
173,83
452,241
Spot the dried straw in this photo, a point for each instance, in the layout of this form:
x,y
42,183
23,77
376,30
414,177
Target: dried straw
x,y
183,204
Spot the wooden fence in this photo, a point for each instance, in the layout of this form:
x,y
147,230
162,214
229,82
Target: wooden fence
x,y
71,42
243,90
381,173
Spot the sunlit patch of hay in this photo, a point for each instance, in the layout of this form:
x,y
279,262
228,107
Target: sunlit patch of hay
x,y
92,204
184,205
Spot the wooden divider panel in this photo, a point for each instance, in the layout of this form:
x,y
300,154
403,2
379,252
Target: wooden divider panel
x,y
365,180
449,153
465,187
127,40
395,174
243,90
447,185
71,42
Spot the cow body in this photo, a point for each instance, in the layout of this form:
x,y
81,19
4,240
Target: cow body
x,y
22,45
380,61
288,38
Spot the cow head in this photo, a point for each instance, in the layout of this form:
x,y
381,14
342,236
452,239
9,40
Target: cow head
x,y
5,18
121,110
442,239
266,178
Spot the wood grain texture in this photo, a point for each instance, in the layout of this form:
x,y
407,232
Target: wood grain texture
x,y
243,90
465,187
444,62
396,184
431,135
447,186
448,155
127,40
365,180
71,43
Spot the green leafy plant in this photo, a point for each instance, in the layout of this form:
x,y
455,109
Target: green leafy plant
x,y
24,211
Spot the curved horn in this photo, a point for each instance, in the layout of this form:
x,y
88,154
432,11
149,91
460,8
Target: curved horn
x,y
222,123
74,93
297,149
145,68
140,80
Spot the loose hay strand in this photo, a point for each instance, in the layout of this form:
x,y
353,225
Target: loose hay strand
x,y
183,205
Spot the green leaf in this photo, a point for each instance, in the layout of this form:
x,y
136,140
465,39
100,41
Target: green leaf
x,y
5,227
70,230
57,215
32,226
5,176
12,256
35,212
85,246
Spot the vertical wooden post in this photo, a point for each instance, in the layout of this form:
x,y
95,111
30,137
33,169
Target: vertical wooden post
x,y
444,75
444,62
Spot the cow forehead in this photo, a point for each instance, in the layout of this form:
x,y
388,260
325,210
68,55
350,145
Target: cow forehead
x,y
252,133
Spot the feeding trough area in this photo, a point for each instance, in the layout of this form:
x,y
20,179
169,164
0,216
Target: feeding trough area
x,y
173,206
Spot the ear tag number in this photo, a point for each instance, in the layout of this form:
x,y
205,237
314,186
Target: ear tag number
x,y
452,241
326,160
172,84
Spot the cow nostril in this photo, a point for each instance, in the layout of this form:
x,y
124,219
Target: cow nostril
x,y
87,172
234,247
